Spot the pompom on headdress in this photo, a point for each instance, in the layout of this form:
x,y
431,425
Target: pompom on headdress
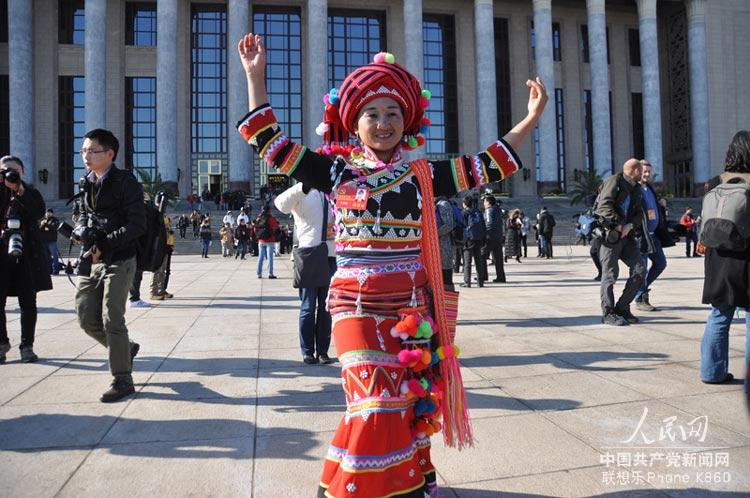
x,y
381,78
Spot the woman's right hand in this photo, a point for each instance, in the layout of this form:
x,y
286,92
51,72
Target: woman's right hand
x,y
253,56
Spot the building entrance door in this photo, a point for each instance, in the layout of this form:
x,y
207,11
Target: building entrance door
x,y
209,176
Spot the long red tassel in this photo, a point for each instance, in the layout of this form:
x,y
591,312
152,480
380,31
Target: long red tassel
x,y
457,431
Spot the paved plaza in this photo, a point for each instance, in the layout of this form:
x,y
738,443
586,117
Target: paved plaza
x,y
561,404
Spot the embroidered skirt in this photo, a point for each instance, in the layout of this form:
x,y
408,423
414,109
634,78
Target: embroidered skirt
x,y
376,451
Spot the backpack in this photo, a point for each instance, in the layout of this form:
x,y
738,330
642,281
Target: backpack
x,y
458,222
152,245
263,229
726,214
475,229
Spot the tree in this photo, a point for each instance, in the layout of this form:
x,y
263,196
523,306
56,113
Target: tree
x,y
152,186
586,188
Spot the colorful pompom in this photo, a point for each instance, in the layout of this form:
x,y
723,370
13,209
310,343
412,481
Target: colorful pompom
x,y
420,141
426,121
379,58
389,58
412,142
326,99
426,94
409,358
411,321
321,129
333,99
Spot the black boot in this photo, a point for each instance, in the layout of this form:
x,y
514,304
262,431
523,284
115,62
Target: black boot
x,y
121,387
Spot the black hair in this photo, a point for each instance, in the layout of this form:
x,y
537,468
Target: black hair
x,y
738,155
490,200
468,201
105,138
12,159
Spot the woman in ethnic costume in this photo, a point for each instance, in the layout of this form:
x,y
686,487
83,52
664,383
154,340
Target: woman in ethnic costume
x,y
399,368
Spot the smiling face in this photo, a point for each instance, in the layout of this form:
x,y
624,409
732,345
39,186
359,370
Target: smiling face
x,y
380,126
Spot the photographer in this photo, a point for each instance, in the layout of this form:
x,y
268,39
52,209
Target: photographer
x,y
49,226
115,215
24,259
620,215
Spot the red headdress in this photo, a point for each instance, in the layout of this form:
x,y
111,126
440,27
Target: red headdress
x,y
381,78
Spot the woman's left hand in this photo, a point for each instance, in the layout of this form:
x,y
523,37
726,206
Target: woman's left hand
x,y
537,96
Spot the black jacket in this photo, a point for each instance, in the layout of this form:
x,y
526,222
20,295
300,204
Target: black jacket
x,y
494,223
609,204
546,224
35,260
118,199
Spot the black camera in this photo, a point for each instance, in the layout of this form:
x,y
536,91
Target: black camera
x,y
88,231
609,236
14,236
11,175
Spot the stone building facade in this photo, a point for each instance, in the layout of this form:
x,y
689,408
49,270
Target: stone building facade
x,y
626,78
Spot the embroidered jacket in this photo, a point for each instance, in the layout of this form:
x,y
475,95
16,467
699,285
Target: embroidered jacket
x,y
391,221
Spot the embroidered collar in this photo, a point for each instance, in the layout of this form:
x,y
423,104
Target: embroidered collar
x,y
365,159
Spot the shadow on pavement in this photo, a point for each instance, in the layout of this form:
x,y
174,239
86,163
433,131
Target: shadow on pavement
x,y
205,438
566,360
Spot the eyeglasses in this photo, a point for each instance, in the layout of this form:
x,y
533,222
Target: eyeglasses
x,y
83,152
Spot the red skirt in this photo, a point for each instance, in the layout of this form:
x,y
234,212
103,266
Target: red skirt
x,y
375,451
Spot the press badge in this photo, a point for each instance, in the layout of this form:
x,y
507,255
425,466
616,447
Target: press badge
x,y
352,196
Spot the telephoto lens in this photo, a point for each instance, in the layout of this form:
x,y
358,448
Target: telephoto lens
x,y
15,239
12,176
65,229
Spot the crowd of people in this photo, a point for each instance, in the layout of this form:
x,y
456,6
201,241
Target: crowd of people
x,y
379,238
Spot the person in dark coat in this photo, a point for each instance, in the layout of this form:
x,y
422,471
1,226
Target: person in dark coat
x,y
29,273
493,246
513,236
726,284
546,227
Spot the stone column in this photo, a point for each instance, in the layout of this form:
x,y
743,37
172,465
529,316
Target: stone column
x,y
166,93
484,40
597,25
316,79
699,122
21,87
96,64
240,153
650,86
545,69
413,38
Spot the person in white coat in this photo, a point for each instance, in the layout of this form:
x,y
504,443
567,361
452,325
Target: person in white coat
x,y
307,207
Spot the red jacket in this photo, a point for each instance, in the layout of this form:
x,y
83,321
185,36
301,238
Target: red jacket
x,y
273,224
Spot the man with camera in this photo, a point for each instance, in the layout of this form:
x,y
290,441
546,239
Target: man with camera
x,y
24,260
113,218
619,214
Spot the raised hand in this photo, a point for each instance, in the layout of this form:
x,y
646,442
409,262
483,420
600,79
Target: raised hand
x,y
537,96
253,56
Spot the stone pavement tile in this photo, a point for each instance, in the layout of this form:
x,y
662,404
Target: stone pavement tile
x,y
52,426
627,335
181,386
240,362
504,366
211,326
205,467
677,350
45,348
486,400
549,342
289,464
291,410
736,367
614,357
279,340
567,483
303,377
13,386
216,343
477,341
665,380
512,446
637,425
153,420
727,409
38,472
42,368
61,390
286,358
568,390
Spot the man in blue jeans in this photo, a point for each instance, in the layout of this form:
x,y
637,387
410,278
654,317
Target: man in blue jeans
x,y
48,226
655,220
308,206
